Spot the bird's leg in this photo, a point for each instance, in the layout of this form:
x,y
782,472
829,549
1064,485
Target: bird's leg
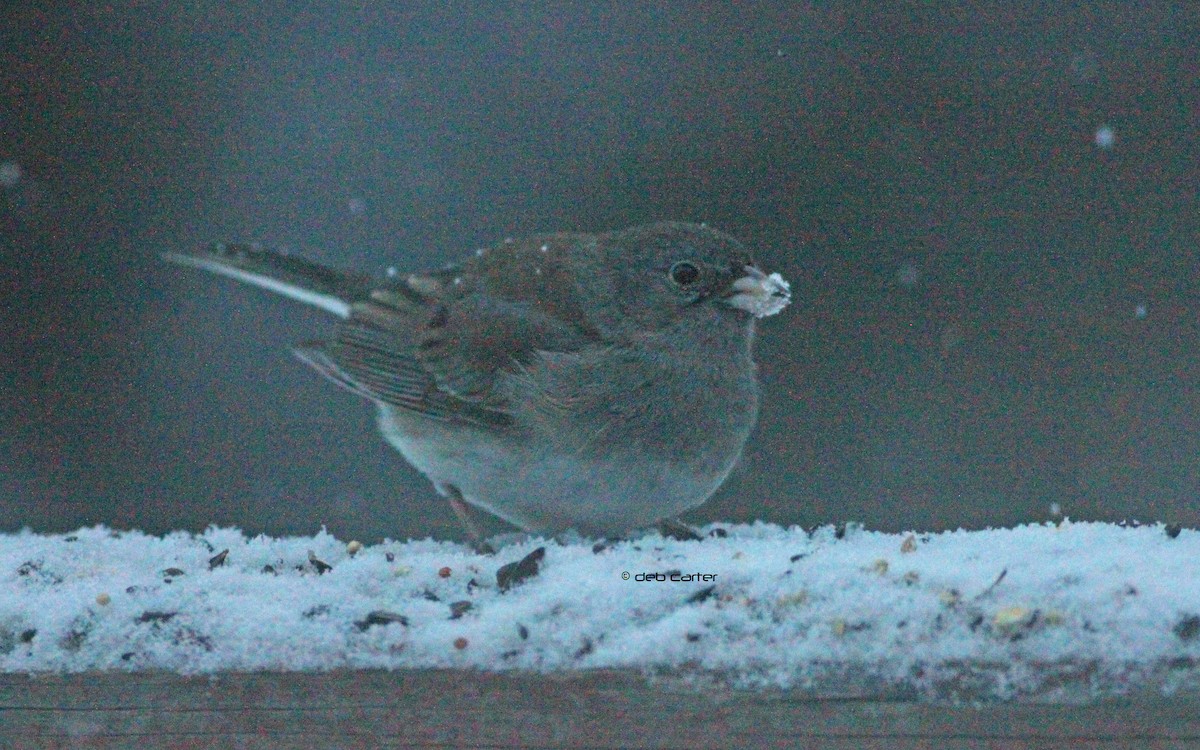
x,y
459,506
673,528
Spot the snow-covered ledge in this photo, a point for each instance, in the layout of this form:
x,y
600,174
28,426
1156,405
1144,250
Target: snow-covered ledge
x,y
1057,611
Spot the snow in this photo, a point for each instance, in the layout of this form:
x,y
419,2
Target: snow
x,y
10,174
785,608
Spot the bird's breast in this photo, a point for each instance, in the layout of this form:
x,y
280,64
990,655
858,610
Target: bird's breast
x,y
696,409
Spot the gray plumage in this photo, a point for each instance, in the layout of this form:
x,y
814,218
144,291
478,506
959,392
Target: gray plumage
x,y
596,382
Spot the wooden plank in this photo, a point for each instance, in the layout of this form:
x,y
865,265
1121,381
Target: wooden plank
x,y
449,708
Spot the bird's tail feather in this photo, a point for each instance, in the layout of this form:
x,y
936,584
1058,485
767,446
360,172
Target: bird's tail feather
x,y
288,275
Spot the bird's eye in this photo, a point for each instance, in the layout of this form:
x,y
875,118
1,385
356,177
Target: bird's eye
x,y
684,273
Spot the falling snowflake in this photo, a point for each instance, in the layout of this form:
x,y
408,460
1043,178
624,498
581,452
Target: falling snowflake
x,y
10,173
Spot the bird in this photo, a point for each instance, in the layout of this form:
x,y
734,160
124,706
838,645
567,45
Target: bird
x,y
599,383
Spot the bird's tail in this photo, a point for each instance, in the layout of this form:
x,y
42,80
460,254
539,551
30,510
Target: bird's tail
x,y
289,275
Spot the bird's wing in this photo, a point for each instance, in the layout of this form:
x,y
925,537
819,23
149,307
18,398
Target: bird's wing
x,y
439,344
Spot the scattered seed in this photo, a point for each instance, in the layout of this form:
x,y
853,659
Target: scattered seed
x,y
321,566
458,609
390,556
29,567
515,572
794,599
523,632
73,640
1173,530
460,643
949,597
1188,628
353,547
380,617
218,559
153,616
103,599
909,545
701,595
993,585
1013,618
444,572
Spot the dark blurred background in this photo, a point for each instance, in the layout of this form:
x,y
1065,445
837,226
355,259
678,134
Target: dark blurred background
x,y
989,218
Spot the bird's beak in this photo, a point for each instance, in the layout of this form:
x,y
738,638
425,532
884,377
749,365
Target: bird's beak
x,y
759,294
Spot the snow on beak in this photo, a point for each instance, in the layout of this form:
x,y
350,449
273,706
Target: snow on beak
x,y
759,294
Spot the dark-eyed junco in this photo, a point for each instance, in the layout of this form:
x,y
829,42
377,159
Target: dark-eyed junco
x,y
597,382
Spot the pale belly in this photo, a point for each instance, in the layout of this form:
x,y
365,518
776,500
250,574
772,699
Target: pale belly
x,y
542,488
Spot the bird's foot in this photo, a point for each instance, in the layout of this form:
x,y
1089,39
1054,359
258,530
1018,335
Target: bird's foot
x,y
673,528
